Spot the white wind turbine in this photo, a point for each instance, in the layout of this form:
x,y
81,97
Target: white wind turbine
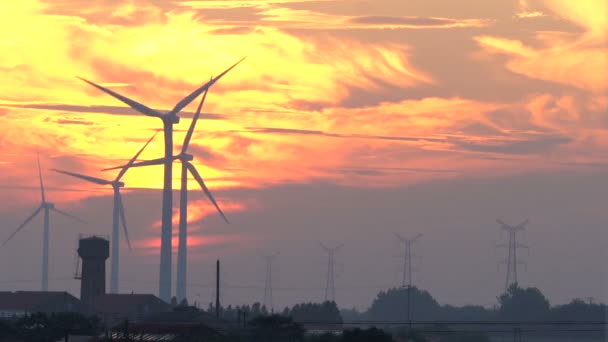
x,y
47,207
169,119
185,158
118,212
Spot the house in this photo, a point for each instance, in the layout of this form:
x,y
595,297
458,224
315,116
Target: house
x,y
133,307
20,303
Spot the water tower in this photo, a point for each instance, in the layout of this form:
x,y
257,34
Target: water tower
x,y
93,251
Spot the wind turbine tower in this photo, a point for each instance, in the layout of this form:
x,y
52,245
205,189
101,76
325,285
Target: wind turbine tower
x,y
187,167
168,119
407,258
118,212
268,300
47,207
512,248
330,285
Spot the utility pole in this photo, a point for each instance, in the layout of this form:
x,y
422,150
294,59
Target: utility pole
x,y
217,289
330,285
512,247
268,300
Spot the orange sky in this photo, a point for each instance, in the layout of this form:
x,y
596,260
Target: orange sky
x,y
355,93
304,105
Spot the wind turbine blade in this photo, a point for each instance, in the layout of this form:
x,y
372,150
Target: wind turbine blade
x,y
338,247
501,223
87,178
158,161
131,103
324,247
123,219
186,100
27,220
417,237
40,175
200,181
130,163
68,215
521,226
401,238
193,123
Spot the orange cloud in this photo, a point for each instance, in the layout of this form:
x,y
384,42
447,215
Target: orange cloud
x,y
151,246
578,60
199,209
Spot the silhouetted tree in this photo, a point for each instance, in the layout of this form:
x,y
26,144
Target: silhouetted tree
x,y
392,305
523,304
184,302
578,310
326,312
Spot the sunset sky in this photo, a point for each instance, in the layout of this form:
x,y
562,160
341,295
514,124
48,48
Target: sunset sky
x,y
349,120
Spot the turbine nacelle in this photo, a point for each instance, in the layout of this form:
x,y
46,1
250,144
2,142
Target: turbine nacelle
x,y
118,184
185,157
48,205
171,118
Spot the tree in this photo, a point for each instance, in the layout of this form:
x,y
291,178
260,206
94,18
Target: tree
x,y
578,310
326,312
392,305
523,304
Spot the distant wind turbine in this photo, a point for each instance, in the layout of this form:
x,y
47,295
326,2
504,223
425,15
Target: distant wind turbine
x,y
185,159
46,206
118,212
169,119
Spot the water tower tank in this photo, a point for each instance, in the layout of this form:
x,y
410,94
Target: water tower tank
x,y
93,251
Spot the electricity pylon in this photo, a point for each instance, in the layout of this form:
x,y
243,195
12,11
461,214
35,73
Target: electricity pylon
x,y
330,285
268,300
407,258
512,247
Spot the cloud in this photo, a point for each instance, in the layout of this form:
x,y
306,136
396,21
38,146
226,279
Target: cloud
x,y
74,122
570,58
103,109
414,22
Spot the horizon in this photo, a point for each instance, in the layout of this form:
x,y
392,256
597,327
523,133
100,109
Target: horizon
x,y
346,124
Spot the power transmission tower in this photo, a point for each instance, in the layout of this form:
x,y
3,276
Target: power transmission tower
x,y
330,285
512,248
407,259
268,301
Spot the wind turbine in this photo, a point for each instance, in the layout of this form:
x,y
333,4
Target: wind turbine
x,y
47,207
118,212
185,158
169,119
